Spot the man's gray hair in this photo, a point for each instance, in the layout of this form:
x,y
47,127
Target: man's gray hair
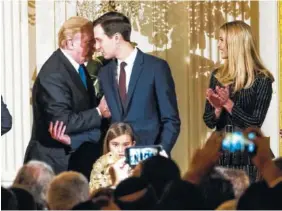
x,y
67,190
35,176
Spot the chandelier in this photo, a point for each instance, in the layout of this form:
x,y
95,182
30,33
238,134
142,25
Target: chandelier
x,y
94,9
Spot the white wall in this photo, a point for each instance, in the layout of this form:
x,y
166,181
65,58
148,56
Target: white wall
x,y
269,46
14,65
16,46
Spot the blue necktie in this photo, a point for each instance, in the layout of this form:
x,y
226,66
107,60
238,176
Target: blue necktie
x,y
82,74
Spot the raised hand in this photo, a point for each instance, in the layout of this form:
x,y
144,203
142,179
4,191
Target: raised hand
x,y
204,159
263,157
119,171
57,132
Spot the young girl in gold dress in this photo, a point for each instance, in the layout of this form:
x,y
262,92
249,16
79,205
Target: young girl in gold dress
x,y
118,138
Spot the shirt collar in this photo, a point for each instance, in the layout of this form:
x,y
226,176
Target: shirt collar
x,y
130,59
71,60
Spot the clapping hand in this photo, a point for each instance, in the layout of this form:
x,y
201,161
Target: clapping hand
x,y
213,99
223,94
220,98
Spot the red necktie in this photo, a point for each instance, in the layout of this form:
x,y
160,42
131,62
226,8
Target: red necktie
x,y
122,83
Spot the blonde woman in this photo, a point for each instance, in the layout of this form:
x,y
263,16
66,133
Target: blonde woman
x,y
118,138
240,90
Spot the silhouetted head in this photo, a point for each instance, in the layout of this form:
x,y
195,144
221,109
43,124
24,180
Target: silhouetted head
x,y
180,195
134,193
158,171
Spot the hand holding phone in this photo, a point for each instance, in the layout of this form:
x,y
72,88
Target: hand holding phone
x,y
237,141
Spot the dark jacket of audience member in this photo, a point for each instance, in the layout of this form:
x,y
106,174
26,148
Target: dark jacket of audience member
x,y
135,194
216,190
180,195
8,200
261,197
24,198
158,171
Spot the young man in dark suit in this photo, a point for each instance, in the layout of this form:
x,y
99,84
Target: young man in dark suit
x,y
138,88
63,91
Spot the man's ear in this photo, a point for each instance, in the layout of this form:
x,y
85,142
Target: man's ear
x,y
69,44
117,37
133,143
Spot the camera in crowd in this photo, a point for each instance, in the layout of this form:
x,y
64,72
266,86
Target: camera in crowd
x,y
136,154
236,141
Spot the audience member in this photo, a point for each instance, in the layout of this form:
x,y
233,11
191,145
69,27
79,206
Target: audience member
x,y
181,195
158,171
24,198
35,176
8,200
67,190
135,194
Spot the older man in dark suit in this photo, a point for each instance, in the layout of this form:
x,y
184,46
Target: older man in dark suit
x,y
63,91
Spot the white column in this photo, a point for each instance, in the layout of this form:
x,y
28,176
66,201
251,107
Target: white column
x,y
14,61
269,43
45,31
50,15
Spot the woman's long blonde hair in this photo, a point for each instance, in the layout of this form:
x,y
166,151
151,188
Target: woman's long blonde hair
x,y
116,130
243,61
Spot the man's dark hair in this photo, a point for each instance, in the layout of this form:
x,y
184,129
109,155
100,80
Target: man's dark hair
x,y
180,195
114,22
133,185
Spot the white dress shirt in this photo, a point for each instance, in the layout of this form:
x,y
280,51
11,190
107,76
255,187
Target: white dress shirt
x,y
72,61
128,68
76,66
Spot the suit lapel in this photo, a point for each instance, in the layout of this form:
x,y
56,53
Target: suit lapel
x,y
136,71
91,90
112,74
73,72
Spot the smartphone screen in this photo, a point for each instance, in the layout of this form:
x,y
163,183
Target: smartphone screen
x,y
236,141
139,153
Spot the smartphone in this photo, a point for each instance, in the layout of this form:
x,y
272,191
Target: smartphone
x,y
136,154
236,141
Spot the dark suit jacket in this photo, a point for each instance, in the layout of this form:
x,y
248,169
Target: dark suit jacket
x,y
151,107
6,118
58,94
